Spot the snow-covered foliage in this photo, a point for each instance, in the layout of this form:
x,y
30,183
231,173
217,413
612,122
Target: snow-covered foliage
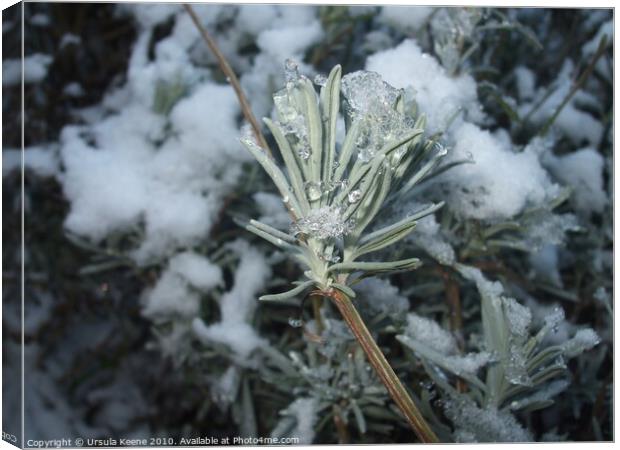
x,y
473,142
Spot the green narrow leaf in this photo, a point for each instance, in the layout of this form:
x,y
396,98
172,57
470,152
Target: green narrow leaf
x,y
307,98
344,288
274,231
288,294
359,417
403,264
386,239
278,242
348,147
292,166
376,202
330,104
378,234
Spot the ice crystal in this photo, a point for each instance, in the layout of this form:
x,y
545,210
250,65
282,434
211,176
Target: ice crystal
x,y
323,223
355,196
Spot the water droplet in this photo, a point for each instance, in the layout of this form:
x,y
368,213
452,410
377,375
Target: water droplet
x,y
355,196
313,191
304,152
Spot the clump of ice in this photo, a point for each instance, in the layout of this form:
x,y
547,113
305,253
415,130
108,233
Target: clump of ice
x,y
327,222
583,171
438,96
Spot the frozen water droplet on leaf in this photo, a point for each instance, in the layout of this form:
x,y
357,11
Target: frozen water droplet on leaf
x,y
355,196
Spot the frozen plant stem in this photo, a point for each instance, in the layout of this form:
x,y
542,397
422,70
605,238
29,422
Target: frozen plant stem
x,y
383,369
231,77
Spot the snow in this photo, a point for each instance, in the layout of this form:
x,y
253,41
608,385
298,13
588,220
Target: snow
x,y
299,420
237,305
35,69
73,89
175,189
577,125
500,183
526,82
439,96
545,264
519,317
474,424
583,171
69,39
42,160
272,210
380,296
427,235
429,332
405,18
605,30
197,270
171,297
585,339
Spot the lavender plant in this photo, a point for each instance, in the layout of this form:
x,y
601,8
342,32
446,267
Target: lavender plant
x,y
334,192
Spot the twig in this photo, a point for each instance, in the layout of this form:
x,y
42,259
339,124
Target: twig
x,y
576,86
232,79
383,369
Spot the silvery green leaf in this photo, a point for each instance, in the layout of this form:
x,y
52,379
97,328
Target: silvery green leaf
x,y
274,173
278,242
288,155
288,294
330,104
248,423
375,202
348,147
344,288
103,266
363,177
360,167
274,231
404,264
382,240
388,230
306,98
443,361
368,186
359,417
423,171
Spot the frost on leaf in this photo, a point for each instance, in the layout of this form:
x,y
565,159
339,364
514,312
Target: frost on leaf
x,y
372,100
327,222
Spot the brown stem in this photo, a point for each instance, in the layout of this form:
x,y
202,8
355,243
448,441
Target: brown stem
x,y
453,299
317,300
341,427
232,79
383,369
